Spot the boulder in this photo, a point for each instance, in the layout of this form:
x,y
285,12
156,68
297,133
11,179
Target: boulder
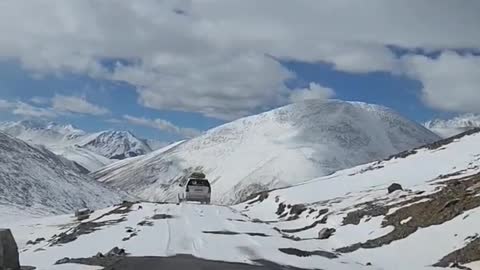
x,y
325,233
394,187
8,251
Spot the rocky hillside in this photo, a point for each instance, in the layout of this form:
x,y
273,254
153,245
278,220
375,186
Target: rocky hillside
x,y
415,210
37,181
274,149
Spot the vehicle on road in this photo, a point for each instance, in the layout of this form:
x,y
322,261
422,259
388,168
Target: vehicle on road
x,y
198,189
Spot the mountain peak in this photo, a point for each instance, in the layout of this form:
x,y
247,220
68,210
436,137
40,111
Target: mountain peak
x,y
116,144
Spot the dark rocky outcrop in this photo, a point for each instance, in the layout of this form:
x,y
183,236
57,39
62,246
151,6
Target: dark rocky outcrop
x,y
8,251
326,233
394,187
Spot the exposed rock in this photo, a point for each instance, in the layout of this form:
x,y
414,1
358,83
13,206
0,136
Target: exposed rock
x,y
8,251
280,209
297,209
116,252
394,187
467,254
308,227
325,233
450,203
303,253
62,261
161,216
38,240
145,223
322,212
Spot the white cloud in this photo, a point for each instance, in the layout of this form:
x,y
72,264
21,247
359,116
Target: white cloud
x,y
75,104
451,82
40,100
5,105
314,91
162,125
26,110
29,111
213,59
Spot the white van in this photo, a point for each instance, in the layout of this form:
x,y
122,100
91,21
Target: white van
x,y
198,189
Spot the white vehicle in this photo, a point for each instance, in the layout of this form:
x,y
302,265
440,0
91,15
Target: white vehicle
x,y
198,189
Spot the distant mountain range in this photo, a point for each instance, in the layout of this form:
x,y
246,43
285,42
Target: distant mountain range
x,y
36,181
274,149
454,126
90,150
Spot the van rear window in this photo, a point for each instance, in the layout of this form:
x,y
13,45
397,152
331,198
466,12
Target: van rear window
x,y
198,182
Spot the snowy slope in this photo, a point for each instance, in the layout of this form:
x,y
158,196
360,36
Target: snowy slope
x,y
84,157
158,230
437,214
91,151
277,148
431,224
454,126
34,180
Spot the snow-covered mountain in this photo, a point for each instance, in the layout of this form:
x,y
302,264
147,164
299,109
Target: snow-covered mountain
x,y
90,150
34,180
285,146
116,144
344,221
454,126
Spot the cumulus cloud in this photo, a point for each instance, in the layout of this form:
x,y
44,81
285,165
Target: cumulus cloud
x,y
75,104
217,57
451,82
313,91
162,125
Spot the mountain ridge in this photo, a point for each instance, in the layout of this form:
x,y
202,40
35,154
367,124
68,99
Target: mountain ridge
x,y
450,127
90,150
276,148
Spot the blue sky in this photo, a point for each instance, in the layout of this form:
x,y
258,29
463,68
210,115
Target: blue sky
x,y
168,75
397,92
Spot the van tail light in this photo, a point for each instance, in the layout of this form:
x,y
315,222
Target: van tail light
x,y
187,189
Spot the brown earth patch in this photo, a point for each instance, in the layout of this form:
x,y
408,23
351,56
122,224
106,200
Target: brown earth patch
x,y
469,253
452,200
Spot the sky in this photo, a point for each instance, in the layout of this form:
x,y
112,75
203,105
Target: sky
x,y
169,70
